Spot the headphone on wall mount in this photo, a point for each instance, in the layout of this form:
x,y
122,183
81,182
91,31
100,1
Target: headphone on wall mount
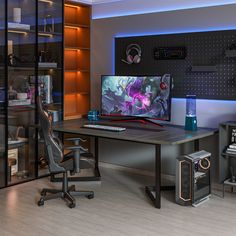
x,y
133,54
163,84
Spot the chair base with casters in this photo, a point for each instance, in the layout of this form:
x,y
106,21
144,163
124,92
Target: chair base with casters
x,y
66,193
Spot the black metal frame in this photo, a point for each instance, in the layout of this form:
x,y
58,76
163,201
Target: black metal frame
x,y
6,94
6,184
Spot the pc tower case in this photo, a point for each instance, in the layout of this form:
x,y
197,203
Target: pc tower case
x,y
193,183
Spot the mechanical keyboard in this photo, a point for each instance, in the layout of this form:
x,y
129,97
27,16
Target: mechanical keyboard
x,y
104,127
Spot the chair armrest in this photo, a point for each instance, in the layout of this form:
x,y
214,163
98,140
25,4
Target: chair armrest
x,y
76,157
76,148
75,139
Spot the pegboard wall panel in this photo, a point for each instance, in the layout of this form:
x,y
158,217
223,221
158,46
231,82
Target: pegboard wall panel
x,y
208,70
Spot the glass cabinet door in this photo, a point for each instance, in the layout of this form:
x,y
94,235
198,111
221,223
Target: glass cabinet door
x,y
50,65
2,95
21,65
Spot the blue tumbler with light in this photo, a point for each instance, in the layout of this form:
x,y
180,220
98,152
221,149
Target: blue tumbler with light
x,y
191,117
93,115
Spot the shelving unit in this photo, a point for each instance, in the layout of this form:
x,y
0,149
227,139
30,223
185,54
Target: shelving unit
x,y
76,59
32,37
226,160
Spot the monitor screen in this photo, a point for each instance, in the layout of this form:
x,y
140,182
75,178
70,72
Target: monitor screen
x,y
140,96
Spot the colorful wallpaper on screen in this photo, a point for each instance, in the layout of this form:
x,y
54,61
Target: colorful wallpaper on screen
x,y
144,96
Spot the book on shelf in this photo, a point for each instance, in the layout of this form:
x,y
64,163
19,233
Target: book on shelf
x,y
19,102
47,64
231,150
233,135
232,145
13,25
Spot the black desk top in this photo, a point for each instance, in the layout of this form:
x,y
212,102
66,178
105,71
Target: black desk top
x,y
143,133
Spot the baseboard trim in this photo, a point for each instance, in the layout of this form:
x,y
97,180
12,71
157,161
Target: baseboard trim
x,y
135,171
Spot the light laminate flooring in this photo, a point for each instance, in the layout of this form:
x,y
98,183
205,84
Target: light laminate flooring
x,y
120,207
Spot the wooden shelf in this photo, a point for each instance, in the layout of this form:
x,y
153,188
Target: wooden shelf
x,y
48,34
228,182
72,116
76,48
76,60
76,93
20,31
77,71
76,26
225,154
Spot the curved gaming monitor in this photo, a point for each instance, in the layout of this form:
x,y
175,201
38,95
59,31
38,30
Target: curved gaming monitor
x,y
136,96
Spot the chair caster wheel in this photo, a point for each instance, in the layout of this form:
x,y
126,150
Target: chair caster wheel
x,y
40,202
42,193
72,205
90,196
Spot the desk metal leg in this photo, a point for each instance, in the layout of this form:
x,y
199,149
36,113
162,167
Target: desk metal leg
x,y
97,172
154,192
158,177
196,145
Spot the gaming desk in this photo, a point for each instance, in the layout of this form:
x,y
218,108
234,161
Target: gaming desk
x,y
139,133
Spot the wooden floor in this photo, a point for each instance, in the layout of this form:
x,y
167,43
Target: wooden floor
x,y
120,207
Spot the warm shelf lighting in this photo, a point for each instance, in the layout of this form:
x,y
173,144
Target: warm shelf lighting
x,y
17,32
45,35
72,49
47,1
72,27
73,6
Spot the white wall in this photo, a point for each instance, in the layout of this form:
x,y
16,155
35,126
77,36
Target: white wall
x,y
209,112
108,8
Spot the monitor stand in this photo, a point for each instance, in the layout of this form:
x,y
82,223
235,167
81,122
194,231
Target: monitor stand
x,y
137,119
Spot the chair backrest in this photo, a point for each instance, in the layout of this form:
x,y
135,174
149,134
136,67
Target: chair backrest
x,y
54,151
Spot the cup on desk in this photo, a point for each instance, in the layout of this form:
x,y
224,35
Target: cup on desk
x,y
93,115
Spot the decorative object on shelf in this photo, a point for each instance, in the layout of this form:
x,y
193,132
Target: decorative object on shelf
x,y
17,14
133,54
54,114
10,47
42,56
11,60
233,135
231,149
48,24
12,93
19,26
21,96
24,174
191,118
93,115
2,94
